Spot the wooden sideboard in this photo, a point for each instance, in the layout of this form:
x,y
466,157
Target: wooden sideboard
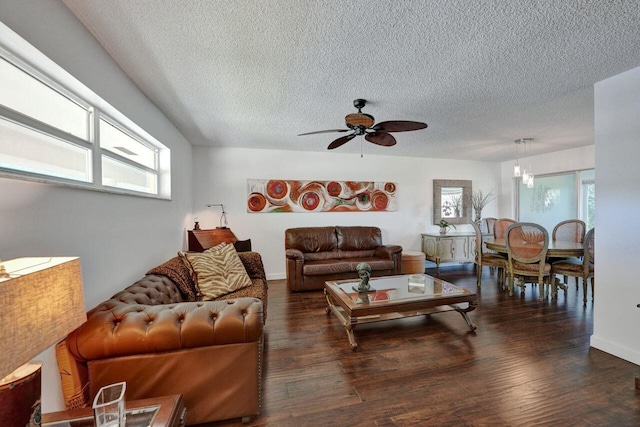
x,y
451,247
200,240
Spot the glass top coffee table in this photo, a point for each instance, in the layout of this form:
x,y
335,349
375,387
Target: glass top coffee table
x,y
394,297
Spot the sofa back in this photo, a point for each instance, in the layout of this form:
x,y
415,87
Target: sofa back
x,y
358,238
311,239
333,242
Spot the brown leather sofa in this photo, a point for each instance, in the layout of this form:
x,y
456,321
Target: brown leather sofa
x,y
161,341
317,254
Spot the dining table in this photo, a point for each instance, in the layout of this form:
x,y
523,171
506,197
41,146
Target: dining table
x,y
556,249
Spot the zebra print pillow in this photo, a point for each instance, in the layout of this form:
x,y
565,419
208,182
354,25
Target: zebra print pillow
x,y
217,271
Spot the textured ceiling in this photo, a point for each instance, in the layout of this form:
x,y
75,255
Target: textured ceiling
x,y
254,74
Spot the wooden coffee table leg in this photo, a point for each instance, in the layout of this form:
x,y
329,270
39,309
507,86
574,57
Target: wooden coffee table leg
x,y
352,339
463,312
349,323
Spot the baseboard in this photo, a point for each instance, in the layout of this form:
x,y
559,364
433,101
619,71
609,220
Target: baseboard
x,y
615,349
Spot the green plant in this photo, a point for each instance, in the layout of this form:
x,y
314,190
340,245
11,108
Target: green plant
x,y
445,224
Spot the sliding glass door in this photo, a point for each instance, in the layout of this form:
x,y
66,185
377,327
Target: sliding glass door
x,y
557,197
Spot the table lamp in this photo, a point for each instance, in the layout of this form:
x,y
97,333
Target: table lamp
x,y
41,301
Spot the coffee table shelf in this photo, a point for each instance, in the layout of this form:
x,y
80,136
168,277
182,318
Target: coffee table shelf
x,y
392,298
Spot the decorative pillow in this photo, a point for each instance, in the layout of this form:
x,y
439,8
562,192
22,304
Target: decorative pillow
x,y
176,270
217,271
242,245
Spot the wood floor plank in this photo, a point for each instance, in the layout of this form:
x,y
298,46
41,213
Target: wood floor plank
x,y
528,363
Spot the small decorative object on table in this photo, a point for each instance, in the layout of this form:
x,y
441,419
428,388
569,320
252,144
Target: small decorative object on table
x,y
108,406
364,272
444,226
196,224
479,201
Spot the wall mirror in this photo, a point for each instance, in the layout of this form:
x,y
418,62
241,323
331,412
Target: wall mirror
x,y
452,201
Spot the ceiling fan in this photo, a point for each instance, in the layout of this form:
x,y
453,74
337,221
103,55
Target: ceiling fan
x,y
363,124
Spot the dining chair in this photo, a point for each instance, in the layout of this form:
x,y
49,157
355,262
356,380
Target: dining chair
x,y
500,226
489,223
488,259
572,230
527,245
579,268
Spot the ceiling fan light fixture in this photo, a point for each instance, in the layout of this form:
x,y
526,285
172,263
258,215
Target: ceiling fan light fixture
x,y
363,124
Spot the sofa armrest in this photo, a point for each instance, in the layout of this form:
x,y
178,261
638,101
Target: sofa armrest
x,y
116,329
294,254
252,262
388,251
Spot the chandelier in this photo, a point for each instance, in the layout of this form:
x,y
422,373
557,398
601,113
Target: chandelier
x,y
526,173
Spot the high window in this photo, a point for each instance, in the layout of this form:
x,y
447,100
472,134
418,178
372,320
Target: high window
x,y
49,132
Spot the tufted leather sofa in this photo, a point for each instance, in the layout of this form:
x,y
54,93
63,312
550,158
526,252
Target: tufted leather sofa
x,y
317,254
152,337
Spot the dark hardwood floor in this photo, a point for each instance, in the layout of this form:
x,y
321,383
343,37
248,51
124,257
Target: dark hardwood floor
x,y
528,363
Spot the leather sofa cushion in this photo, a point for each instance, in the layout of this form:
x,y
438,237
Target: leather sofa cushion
x,y
334,266
321,256
358,238
311,239
357,254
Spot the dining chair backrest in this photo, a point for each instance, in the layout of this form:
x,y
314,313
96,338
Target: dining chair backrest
x,y
489,223
590,248
571,229
527,242
478,247
500,226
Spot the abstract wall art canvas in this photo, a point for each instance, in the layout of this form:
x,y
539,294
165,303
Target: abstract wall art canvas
x,y
279,195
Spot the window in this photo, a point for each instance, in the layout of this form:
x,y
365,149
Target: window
x,y
52,133
558,197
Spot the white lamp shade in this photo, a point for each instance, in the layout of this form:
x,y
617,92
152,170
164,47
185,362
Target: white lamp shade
x,y
40,303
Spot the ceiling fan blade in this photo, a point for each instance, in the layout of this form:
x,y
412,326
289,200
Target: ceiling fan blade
x,y
381,138
340,141
399,126
324,131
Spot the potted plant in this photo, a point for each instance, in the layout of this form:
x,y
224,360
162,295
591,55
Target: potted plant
x,y
444,226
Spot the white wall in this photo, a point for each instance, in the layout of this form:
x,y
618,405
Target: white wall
x,y
617,136
221,177
118,238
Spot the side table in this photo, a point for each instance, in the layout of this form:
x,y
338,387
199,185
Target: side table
x,y
170,413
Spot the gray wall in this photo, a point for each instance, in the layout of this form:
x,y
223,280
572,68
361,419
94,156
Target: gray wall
x,y
117,237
